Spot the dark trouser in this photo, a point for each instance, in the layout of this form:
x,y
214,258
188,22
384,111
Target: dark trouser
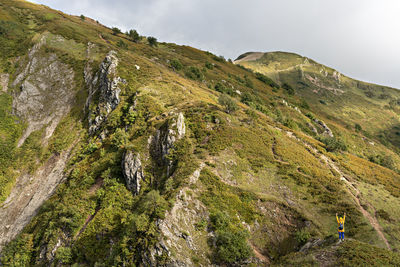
x,y
341,235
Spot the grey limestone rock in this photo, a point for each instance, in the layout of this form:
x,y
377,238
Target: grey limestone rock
x,y
106,82
132,171
165,138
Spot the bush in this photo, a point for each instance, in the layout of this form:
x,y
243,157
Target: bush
x,y
231,246
267,80
289,89
194,73
229,104
358,127
333,144
152,41
383,160
219,87
134,35
302,236
122,44
209,65
82,17
115,30
64,255
176,64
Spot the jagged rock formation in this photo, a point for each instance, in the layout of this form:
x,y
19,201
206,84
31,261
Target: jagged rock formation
x,y
165,138
106,83
327,131
46,90
132,171
178,230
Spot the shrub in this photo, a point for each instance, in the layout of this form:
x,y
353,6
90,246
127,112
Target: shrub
x,y
302,236
231,246
176,64
229,104
288,89
209,65
134,35
64,255
333,144
82,17
120,138
194,73
358,127
115,31
122,44
383,160
223,89
267,80
152,41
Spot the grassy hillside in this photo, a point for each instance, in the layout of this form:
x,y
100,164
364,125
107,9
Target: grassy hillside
x,y
251,182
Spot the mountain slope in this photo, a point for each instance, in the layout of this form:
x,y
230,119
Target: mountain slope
x,y
122,153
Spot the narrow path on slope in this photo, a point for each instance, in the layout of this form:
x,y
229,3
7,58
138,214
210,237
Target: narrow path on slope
x,y
349,186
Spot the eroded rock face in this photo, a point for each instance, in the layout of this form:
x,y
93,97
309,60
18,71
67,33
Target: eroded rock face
x,y
106,83
178,233
327,131
165,138
132,171
46,91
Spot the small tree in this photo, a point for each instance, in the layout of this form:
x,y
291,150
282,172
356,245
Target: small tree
x,y
115,30
152,41
134,35
229,104
82,17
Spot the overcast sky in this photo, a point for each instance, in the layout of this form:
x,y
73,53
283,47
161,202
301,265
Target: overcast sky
x,y
360,38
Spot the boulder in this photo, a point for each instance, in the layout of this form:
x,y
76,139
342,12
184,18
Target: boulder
x,y
132,171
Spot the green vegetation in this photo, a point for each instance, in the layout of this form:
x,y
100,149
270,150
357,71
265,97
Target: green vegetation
x,y
152,41
116,30
194,73
176,65
229,104
264,185
134,35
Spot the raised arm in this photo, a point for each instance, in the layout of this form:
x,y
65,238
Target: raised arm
x,y
344,217
337,219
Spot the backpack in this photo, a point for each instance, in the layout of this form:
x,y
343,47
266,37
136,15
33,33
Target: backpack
x,y
341,226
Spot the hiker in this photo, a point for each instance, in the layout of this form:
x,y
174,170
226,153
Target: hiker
x,y
340,222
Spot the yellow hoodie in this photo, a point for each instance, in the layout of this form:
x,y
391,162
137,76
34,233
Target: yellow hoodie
x,y
340,221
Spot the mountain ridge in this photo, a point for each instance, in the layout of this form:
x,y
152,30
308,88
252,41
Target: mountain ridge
x,y
176,157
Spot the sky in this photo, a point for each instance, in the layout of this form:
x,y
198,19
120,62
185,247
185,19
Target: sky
x,y
360,38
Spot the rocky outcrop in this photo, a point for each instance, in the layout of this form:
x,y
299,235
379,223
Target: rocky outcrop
x,y
4,82
28,195
46,90
132,171
180,239
165,138
326,129
105,82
